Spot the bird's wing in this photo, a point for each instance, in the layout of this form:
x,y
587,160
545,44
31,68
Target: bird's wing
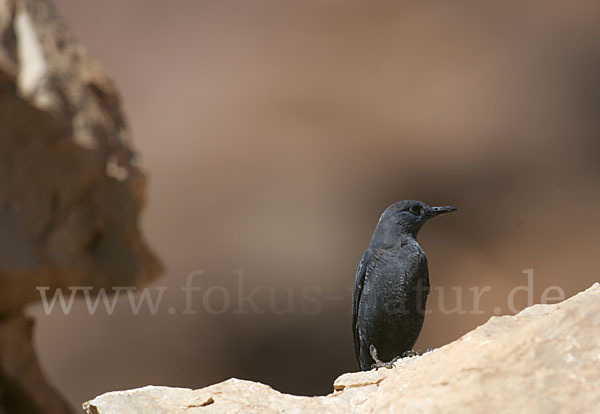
x,y
365,266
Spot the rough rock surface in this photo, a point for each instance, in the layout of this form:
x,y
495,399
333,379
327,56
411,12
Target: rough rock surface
x,y
546,359
71,188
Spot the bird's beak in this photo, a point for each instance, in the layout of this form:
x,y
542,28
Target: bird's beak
x,y
436,211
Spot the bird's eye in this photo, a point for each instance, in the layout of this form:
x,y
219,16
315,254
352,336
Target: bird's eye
x,y
416,210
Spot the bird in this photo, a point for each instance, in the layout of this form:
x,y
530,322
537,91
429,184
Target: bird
x,y
391,286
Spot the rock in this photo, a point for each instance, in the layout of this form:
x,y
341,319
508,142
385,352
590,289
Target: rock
x,y
23,388
71,188
544,359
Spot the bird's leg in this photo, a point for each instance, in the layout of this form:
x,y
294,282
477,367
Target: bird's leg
x,y
379,363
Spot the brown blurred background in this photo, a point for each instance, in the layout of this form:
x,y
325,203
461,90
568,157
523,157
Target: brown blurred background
x,y
276,132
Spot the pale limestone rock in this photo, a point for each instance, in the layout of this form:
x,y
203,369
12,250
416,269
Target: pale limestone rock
x,y
546,359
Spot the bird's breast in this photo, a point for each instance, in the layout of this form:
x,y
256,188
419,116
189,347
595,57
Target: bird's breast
x,y
397,285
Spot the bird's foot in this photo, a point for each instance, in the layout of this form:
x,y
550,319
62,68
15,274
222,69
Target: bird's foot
x,y
411,353
398,358
379,363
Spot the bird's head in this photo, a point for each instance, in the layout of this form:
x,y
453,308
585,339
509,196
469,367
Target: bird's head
x,y
405,217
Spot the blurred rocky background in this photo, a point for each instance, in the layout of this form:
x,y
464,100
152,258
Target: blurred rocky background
x,y
71,189
276,132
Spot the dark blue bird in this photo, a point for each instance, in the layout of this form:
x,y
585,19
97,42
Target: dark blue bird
x,y
391,286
